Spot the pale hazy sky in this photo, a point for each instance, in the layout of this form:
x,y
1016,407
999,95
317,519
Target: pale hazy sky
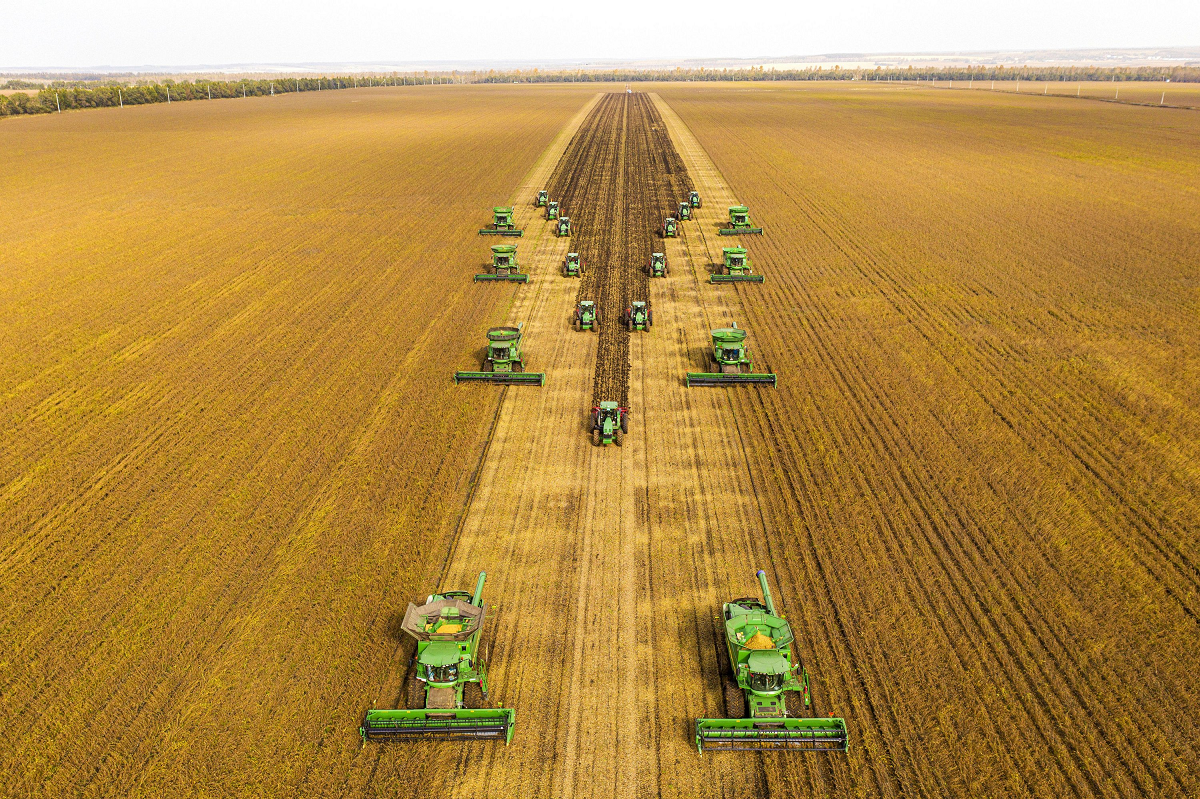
x,y
79,33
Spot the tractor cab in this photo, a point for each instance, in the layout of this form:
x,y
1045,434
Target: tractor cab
x,y
669,228
552,209
658,264
543,197
564,227
610,423
685,211
694,199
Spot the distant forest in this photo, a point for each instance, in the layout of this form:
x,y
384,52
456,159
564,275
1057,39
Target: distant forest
x,y
106,92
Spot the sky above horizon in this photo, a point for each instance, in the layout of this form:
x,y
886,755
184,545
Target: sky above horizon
x,y
85,33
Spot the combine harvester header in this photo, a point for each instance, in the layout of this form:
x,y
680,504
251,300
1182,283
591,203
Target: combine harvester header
x,y
447,628
502,223
503,362
729,357
774,686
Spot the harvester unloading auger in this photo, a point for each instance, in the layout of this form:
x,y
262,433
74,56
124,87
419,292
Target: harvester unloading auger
x,y
503,362
769,681
731,361
448,668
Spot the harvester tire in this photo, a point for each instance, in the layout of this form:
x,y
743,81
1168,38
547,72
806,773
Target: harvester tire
x,y
488,366
618,438
735,698
473,696
595,438
519,366
416,691
794,702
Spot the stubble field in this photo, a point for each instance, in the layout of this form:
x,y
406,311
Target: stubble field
x,y
232,452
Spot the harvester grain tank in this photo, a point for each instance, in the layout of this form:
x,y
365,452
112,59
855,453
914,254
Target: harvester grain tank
x,y
685,211
736,268
449,677
739,222
694,199
543,197
587,316
503,362
658,265
610,423
669,228
638,316
731,360
767,689
502,223
552,209
563,228
504,265
572,266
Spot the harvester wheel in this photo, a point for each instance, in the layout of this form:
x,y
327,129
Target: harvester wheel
x,y
416,691
735,699
618,438
794,702
595,438
518,366
472,696
488,366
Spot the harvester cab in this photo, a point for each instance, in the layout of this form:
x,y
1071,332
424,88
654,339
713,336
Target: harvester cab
x,y
739,222
767,689
731,361
563,228
571,266
503,362
504,265
543,197
502,223
685,211
610,423
670,228
694,199
658,264
552,209
447,629
638,316
587,316
736,268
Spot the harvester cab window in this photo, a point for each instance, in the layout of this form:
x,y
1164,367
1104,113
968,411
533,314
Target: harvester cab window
x,y
442,673
765,683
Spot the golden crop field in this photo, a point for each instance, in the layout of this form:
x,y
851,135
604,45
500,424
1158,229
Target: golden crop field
x,y
233,452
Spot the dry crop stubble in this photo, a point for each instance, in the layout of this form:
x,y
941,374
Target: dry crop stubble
x,y
232,448
982,457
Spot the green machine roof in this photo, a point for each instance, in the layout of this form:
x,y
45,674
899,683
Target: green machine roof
x,y
767,661
729,335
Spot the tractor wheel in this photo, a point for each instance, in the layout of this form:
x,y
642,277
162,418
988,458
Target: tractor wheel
x,y
650,318
596,322
473,696
624,423
619,438
578,325
666,270
631,324
595,438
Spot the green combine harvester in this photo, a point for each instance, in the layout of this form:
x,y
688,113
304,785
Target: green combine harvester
x,y
503,363
552,209
731,361
563,228
543,197
736,268
449,672
685,211
572,267
658,265
739,222
610,423
587,316
504,265
669,228
694,199
769,680
502,223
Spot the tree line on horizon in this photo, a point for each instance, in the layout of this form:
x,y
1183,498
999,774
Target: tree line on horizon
x,y
64,95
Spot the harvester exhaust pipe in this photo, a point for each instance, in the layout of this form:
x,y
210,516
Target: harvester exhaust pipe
x,y
762,580
477,599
